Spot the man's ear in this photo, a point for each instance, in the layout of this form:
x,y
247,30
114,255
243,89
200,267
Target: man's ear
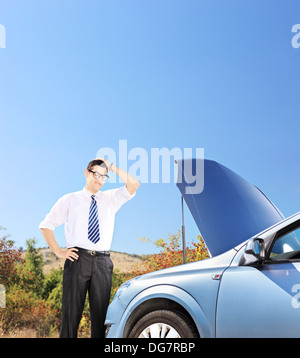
x,y
86,173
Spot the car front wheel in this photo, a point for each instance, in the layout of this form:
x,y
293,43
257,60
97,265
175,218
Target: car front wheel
x,y
164,324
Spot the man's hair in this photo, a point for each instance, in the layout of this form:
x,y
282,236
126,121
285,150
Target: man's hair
x,y
96,162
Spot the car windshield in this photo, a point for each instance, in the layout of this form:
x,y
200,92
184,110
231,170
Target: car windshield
x,y
286,246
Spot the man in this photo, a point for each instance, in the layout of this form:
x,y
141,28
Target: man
x,y
89,217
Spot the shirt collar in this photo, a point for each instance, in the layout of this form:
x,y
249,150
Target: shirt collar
x,y
88,194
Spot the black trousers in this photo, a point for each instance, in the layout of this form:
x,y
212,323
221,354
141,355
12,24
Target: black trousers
x,y
92,274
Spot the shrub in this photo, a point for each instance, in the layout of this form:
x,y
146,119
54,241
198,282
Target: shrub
x,y
24,310
117,279
10,257
171,255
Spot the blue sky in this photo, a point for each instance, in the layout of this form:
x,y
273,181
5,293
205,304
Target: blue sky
x,y
77,76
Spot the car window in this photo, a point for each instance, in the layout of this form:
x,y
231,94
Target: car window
x,y
286,247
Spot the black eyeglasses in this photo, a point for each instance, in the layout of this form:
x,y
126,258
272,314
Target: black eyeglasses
x,y
97,175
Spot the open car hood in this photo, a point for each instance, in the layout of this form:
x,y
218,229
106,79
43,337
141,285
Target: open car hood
x,y
228,210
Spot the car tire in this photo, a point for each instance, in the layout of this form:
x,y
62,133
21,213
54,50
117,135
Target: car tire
x,y
164,324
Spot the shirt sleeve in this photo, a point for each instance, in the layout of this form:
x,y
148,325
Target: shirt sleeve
x,y
120,196
57,215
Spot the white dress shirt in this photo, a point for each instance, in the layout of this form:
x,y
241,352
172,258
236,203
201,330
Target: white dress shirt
x,y
73,210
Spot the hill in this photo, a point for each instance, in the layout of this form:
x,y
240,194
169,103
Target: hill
x,y
122,261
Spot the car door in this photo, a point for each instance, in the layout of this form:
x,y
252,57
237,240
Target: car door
x,y
263,300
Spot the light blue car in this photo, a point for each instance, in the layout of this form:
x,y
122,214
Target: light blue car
x,y
250,287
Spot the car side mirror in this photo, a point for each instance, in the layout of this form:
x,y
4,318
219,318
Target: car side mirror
x,y
254,252
256,248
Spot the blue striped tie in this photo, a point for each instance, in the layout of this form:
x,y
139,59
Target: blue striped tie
x,y
93,229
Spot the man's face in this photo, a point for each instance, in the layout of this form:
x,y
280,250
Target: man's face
x,y
94,184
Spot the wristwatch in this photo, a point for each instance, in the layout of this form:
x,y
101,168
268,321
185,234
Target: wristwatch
x,y
110,167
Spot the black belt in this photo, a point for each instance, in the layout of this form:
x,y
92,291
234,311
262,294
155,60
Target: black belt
x,y
93,252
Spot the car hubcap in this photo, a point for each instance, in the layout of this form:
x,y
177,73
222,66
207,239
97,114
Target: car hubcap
x,y
159,330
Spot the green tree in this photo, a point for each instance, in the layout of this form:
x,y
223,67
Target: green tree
x,y
52,280
33,275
